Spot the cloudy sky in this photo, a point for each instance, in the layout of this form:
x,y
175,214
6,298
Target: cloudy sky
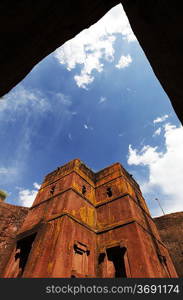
x,y
95,98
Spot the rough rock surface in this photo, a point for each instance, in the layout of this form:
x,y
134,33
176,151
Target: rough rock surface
x,y
11,218
171,231
30,30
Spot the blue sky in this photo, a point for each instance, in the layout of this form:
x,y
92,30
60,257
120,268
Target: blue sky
x,y
95,98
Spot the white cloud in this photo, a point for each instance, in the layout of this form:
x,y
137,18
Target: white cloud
x,y
27,197
102,99
30,108
124,62
83,80
22,100
86,49
85,126
160,119
157,132
93,44
165,169
147,155
37,185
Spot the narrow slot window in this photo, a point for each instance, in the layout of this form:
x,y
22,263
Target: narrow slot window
x,y
109,192
52,190
83,189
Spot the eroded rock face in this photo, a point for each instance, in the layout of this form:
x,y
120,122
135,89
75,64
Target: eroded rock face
x,y
171,231
30,30
11,218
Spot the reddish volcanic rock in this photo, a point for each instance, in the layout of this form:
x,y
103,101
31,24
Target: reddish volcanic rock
x,y
86,224
171,231
11,218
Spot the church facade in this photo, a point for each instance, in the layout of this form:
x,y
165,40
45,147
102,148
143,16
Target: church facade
x,y
86,224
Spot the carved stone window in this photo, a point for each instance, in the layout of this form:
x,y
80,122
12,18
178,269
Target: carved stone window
x,y
83,189
109,192
162,259
81,248
80,260
52,190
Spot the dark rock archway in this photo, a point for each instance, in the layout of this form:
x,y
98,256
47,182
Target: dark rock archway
x,y
30,30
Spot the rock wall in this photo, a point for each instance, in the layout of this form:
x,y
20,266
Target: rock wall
x,y
171,231
11,218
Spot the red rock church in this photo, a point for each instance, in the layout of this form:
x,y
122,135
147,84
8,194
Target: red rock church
x,y
86,224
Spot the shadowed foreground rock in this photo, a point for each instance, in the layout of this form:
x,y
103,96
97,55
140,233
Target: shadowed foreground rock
x,y
30,30
171,231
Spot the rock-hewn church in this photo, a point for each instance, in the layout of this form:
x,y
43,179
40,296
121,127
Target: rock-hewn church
x,y
86,224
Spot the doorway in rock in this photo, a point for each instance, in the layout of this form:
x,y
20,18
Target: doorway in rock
x,y
23,249
115,256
